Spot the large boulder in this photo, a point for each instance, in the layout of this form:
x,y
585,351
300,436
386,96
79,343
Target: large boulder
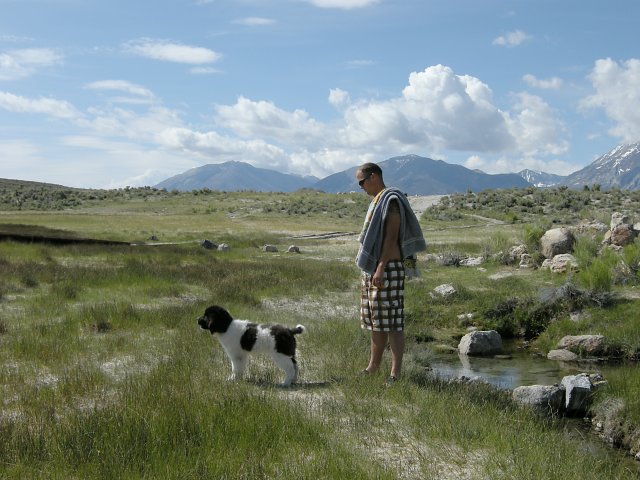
x,y
589,345
556,241
618,219
578,394
481,342
620,232
561,263
622,235
545,398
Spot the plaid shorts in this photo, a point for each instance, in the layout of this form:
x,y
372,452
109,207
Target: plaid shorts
x,y
382,309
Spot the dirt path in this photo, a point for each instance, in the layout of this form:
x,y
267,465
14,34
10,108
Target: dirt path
x,y
420,203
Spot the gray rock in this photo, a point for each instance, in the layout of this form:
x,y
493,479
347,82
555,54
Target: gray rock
x,y
518,250
562,355
482,342
556,241
545,398
471,261
526,261
577,394
584,344
618,219
446,290
622,235
561,263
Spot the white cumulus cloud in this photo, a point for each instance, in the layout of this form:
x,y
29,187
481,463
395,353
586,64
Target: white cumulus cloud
x,y
616,92
534,125
338,97
17,64
248,118
48,106
171,52
342,4
512,39
552,83
437,110
224,148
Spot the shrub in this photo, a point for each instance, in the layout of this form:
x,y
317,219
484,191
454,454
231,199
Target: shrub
x,y
497,245
531,235
631,258
598,275
585,250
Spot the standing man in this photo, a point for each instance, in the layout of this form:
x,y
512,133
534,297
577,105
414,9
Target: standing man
x,y
391,236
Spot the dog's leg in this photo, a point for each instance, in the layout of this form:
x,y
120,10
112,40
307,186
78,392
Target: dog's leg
x,y
290,367
238,365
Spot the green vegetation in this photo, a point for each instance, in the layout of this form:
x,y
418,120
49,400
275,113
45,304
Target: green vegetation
x,y
105,373
559,205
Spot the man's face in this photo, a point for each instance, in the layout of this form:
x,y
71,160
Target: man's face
x,y
364,181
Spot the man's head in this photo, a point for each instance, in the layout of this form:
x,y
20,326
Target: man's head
x,y
369,177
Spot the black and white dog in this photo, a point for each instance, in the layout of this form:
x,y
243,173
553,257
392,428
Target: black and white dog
x,y
239,338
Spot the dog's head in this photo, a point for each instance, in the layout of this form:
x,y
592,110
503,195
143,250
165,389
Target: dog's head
x,y
215,319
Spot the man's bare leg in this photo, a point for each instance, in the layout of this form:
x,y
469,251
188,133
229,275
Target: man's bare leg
x,y
378,344
397,343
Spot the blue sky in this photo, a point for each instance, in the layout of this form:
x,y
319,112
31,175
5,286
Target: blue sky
x,y
105,94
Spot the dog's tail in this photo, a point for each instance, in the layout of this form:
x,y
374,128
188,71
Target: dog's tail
x,y
298,329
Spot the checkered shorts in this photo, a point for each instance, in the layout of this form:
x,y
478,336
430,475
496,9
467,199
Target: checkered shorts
x,y
382,309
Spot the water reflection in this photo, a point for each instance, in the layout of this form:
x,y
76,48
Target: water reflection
x,y
507,373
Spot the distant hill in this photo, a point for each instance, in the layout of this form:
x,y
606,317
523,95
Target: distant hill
x,y
619,168
234,176
417,175
413,174
541,179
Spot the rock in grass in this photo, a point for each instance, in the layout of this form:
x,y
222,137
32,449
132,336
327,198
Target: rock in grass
x,y
562,355
578,390
556,241
481,342
545,398
444,291
590,345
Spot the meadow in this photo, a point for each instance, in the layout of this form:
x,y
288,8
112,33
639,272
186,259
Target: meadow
x,y
106,374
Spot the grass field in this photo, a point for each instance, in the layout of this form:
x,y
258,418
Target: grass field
x,y
105,373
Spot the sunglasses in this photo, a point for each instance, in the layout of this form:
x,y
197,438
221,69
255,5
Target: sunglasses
x,y
361,182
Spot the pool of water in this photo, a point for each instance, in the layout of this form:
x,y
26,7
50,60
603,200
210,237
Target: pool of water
x,y
521,368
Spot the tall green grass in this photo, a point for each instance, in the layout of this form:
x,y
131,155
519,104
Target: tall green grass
x,y
105,373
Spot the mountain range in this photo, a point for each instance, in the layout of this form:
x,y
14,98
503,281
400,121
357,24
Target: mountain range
x,y
619,168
